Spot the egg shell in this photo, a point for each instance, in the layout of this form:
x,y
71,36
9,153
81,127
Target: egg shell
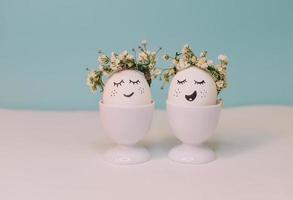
x,y
127,87
192,86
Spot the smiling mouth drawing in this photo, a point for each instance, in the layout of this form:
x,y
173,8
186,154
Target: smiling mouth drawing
x,y
191,97
128,95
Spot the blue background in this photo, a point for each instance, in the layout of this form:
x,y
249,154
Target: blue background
x,y
45,46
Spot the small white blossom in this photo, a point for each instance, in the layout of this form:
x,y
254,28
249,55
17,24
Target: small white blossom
x,y
223,58
152,57
201,61
151,65
166,57
103,59
142,56
224,66
91,80
185,49
129,57
183,64
193,59
123,55
175,62
204,66
186,46
113,57
144,42
222,70
220,83
210,62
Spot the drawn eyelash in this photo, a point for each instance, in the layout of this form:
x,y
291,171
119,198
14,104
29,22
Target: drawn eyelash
x,y
181,82
199,83
118,84
134,82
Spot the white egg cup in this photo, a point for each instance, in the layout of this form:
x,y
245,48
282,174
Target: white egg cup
x,y
193,125
126,125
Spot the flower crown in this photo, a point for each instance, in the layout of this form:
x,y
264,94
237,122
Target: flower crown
x,y
187,59
108,65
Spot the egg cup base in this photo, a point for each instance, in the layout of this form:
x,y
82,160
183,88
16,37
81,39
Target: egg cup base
x,y
192,154
127,154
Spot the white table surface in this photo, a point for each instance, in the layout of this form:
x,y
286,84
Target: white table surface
x,y
57,156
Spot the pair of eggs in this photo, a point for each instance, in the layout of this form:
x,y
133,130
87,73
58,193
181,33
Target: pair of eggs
x,y
191,86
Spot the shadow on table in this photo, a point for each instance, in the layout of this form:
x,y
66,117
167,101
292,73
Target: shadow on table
x,y
160,147
228,144
234,145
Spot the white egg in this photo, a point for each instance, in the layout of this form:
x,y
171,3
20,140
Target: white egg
x,y
192,86
127,87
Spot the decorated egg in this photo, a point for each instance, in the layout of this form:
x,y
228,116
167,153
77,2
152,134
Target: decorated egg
x,y
127,87
192,86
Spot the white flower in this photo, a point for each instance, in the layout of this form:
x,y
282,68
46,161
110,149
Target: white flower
x,y
193,59
153,56
184,51
151,65
165,57
175,62
183,64
144,42
123,55
117,62
204,66
103,59
142,56
113,57
201,61
223,58
114,62
92,80
220,84
129,57
210,62
222,70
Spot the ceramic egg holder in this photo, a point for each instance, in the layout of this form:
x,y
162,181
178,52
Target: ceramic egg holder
x,y
131,125
193,114
126,113
193,125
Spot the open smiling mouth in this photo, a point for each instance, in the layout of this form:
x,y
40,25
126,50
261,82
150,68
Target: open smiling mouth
x,y
128,95
191,97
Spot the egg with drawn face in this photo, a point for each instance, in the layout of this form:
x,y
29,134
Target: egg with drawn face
x,y
192,86
127,87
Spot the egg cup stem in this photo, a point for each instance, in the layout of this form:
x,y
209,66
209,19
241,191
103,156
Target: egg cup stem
x,y
192,154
